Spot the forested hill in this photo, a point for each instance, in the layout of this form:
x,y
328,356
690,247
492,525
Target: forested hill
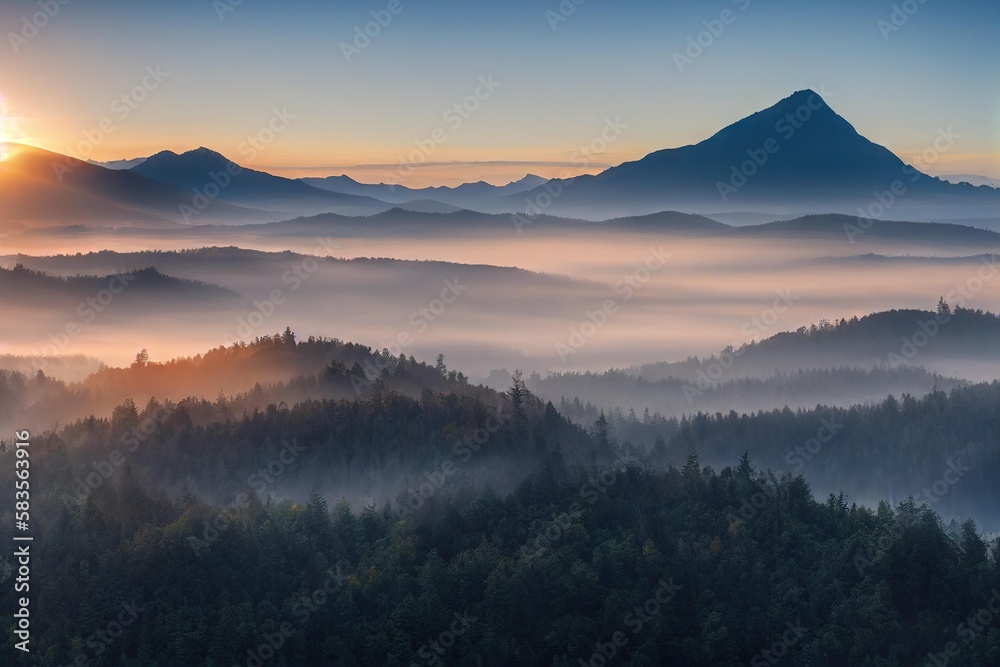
x,y
888,451
934,339
269,369
383,444
23,287
678,566
894,336
942,448
216,524
361,424
583,395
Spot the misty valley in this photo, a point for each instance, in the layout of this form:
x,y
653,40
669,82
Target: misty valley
x,y
735,402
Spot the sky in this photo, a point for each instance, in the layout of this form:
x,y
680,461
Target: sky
x,y
450,91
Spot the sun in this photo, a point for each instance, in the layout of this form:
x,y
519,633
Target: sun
x,y
4,132
8,130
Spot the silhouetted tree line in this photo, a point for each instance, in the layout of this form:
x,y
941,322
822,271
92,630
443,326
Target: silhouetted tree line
x,y
585,394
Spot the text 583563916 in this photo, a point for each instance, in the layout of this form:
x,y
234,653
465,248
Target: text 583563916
x,y
22,552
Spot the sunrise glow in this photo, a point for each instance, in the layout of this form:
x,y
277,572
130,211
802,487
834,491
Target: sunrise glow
x,y
537,332
4,123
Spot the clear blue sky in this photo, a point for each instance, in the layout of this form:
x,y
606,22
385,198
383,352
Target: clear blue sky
x,y
557,87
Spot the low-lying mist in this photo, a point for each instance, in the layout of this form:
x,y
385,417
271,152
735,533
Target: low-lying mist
x,y
589,302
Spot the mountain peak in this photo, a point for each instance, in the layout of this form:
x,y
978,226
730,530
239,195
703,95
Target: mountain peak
x,y
804,95
162,155
797,152
802,110
200,161
529,179
201,151
806,104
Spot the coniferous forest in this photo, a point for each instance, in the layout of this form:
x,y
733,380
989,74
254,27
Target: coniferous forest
x,y
473,510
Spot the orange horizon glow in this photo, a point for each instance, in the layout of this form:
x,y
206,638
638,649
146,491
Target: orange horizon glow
x,y
449,165
4,124
452,169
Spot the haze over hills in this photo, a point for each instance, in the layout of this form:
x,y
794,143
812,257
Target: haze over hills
x,y
439,222
427,220
835,229
961,342
597,346
581,396
67,367
138,287
858,230
49,315
843,363
400,221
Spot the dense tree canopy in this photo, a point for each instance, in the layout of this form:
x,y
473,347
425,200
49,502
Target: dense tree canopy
x,y
394,514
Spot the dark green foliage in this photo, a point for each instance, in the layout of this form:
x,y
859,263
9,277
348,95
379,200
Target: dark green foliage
x,y
543,541
893,449
395,584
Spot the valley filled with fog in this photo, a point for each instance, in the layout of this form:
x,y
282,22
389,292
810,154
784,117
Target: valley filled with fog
x,y
531,402
538,301
639,320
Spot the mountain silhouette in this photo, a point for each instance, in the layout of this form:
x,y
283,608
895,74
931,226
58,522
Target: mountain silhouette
x,y
476,196
39,188
798,156
211,173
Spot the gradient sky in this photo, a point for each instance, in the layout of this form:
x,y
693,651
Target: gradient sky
x,y
558,87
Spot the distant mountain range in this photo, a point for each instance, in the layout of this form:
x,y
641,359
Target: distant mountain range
x,y
119,164
833,228
972,179
207,172
475,196
794,158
